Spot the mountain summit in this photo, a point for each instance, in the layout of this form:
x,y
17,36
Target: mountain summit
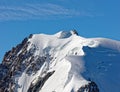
x,y
63,62
66,34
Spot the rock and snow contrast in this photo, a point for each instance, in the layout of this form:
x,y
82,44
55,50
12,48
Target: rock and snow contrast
x,y
63,62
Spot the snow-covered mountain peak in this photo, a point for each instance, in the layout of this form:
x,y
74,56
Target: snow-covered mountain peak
x,y
63,62
66,34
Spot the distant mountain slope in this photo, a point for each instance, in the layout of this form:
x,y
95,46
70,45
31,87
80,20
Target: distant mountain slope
x,y
63,62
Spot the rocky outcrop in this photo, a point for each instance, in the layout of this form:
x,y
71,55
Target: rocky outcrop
x,y
11,65
90,87
15,62
40,82
18,60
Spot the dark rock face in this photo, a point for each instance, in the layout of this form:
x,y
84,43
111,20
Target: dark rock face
x,y
75,32
90,87
15,62
37,86
11,64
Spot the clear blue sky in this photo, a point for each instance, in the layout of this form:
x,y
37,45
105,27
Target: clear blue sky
x,y
92,18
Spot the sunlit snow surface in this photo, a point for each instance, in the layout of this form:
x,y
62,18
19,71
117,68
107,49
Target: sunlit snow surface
x,y
76,61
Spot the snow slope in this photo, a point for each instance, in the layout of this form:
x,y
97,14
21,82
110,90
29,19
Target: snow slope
x,y
76,61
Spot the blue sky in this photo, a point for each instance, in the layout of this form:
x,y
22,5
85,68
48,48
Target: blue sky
x,y
91,18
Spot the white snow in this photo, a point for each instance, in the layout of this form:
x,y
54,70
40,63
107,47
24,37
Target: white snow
x,y
75,60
